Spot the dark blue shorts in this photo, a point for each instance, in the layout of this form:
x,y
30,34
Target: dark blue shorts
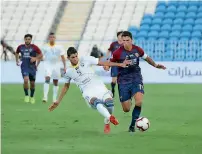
x,y
30,73
114,71
127,91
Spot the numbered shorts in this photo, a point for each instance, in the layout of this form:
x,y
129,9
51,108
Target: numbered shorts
x,y
127,91
101,93
30,73
114,71
53,72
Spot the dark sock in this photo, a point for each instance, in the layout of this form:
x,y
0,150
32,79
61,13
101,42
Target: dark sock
x,y
135,116
113,87
32,92
26,92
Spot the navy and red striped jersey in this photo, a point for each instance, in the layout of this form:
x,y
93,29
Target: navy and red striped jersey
x,y
114,46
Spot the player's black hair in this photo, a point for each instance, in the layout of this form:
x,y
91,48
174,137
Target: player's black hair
x,y
51,33
28,35
127,33
70,51
118,33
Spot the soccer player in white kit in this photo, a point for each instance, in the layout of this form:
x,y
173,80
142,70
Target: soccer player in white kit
x,y
53,54
85,78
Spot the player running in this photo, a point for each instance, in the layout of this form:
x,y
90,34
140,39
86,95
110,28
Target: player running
x,y
130,82
114,70
52,54
85,78
30,54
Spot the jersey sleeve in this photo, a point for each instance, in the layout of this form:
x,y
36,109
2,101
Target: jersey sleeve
x,y
36,48
62,51
67,78
18,49
91,60
142,53
111,47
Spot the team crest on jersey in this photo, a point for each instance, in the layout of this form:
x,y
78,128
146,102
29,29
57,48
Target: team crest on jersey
x,y
137,55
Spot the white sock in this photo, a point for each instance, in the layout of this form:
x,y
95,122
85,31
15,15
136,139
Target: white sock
x,y
106,121
103,111
45,90
55,93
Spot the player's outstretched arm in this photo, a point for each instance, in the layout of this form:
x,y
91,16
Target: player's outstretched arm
x,y
64,62
108,63
62,94
151,62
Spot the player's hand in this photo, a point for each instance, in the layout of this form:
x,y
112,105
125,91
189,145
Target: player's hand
x,y
33,59
106,68
65,69
53,106
159,66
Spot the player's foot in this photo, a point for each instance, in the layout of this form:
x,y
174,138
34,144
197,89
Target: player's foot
x,y
113,120
131,129
107,129
44,100
32,100
26,99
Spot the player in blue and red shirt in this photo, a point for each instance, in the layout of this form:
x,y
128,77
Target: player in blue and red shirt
x,y
130,82
30,54
114,70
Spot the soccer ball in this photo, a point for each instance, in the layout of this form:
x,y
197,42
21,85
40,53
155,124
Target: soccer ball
x,y
142,124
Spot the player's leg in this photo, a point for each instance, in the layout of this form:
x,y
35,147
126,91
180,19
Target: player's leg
x,y
125,96
26,86
137,92
32,87
46,89
114,73
55,89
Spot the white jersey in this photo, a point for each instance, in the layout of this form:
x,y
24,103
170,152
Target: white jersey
x,y
82,74
52,54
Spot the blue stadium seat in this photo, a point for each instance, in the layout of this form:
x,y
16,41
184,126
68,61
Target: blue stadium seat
x,y
178,21
190,55
159,15
155,27
147,16
166,27
200,8
168,55
170,15
187,27
162,39
198,21
153,34
191,15
180,15
184,3
179,55
146,21
189,21
176,28
164,34
192,9
140,39
199,15
173,38
161,8
142,34
182,8
185,34
172,3
197,27
194,3
196,34
161,3
199,55
175,34
133,28
171,9
144,27
157,21
167,21
195,39
194,45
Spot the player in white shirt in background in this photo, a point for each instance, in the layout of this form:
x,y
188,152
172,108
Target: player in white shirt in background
x,y
53,54
93,89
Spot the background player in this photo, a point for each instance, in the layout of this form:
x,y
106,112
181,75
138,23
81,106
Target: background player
x,y
130,82
52,54
30,54
114,70
86,79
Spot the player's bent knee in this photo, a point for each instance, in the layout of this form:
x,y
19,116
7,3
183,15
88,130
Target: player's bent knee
x,y
47,81
94,102
126,109
138,103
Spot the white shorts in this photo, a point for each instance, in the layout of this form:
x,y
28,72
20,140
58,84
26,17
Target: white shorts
x,y
52,71
96,91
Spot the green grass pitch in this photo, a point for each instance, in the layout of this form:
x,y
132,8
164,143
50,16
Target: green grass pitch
x,y
174,110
